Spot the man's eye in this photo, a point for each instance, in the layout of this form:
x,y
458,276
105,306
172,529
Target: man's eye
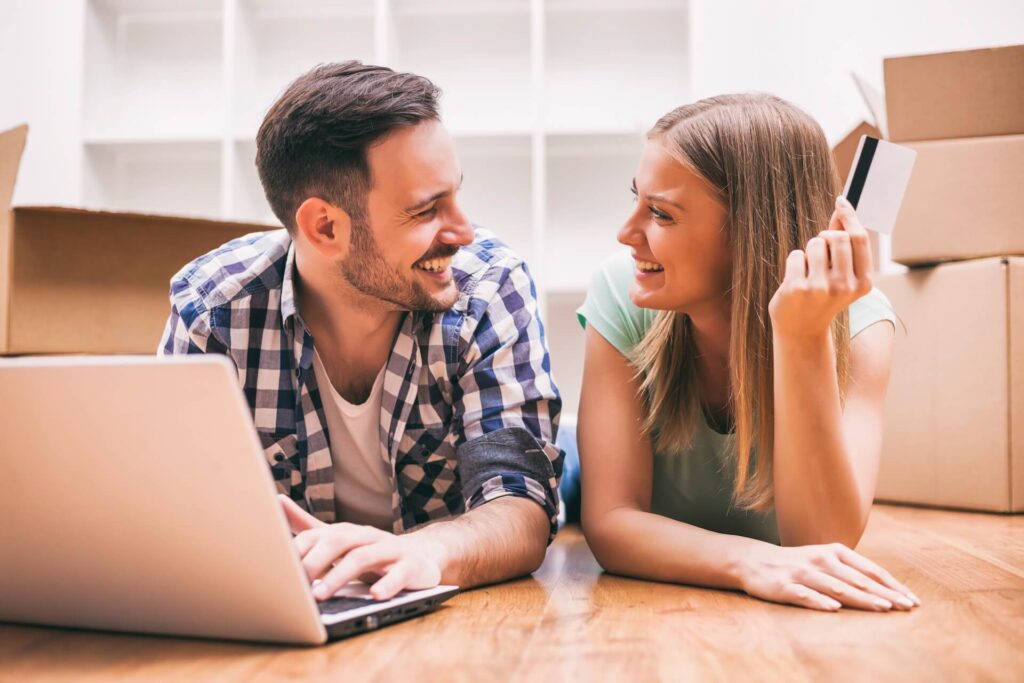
x,y
426,213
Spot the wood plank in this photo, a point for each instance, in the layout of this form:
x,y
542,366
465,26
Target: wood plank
x,y
571,621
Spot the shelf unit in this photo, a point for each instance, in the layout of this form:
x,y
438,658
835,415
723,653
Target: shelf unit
x,y
547,100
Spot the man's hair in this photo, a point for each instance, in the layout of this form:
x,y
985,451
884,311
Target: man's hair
x,y
313,142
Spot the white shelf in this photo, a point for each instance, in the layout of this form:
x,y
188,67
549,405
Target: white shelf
x,y
153,69
588,199
614,67
420,8
496,191
566,342
247,201
181,178
279,40
480,58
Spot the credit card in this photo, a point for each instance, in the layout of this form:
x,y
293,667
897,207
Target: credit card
x,y
877,182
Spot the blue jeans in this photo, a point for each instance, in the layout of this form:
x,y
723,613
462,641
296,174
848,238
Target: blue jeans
x,y
569,488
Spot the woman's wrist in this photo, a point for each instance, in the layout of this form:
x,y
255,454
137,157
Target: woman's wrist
x,y
803,344
741,561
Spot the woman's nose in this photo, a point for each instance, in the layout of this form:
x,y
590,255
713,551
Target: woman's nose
x,y
629,234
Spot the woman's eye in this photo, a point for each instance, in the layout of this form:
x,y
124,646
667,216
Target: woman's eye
x,y
659,215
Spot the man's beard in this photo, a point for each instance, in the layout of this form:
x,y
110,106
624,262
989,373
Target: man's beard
x,y
366,270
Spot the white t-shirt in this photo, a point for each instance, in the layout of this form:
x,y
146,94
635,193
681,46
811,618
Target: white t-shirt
x,y
362,477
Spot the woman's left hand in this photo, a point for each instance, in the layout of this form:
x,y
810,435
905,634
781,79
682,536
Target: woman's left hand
x,y
820,281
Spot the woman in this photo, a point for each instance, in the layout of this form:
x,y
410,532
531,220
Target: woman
x,y
730,425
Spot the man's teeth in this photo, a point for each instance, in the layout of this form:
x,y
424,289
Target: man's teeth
x,y
648,267
436,265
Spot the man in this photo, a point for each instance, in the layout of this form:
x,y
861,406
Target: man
x,y
392,355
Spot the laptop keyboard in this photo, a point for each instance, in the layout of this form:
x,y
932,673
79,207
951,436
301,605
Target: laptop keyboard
x,y
344,603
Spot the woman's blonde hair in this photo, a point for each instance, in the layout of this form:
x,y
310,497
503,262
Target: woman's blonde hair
x,y
773,170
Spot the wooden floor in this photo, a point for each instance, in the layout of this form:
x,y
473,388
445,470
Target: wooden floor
x,y
571,622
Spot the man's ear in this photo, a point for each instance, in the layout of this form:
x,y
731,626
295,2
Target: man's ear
x,y
324,226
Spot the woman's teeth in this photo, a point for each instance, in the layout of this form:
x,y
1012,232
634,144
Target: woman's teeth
x,y
648,267
436,265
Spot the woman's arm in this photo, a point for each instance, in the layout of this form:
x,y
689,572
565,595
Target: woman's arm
x,y
826,459
626,538
615,478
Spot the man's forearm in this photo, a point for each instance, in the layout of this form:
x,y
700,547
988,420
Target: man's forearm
x,y
501,539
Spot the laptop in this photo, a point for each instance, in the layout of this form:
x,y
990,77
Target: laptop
x,y
136,497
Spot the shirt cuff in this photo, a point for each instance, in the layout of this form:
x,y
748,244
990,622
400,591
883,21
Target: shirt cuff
x,y
510,462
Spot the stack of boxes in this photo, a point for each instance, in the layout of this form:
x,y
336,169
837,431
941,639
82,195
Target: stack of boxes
x,y
78,281
954,432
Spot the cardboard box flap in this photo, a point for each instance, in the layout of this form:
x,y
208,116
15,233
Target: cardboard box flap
x,y
846,149
162,217
12,144
875,102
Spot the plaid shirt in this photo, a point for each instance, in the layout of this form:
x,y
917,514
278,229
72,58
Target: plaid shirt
x,y
469,410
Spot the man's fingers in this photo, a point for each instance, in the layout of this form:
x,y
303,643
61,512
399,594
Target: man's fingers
x,y
298,519
398,577
322,548
359,561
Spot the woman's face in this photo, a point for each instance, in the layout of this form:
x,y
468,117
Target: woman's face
x,y
681,252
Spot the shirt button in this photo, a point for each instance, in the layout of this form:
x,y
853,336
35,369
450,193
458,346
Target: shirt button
x,y
278,457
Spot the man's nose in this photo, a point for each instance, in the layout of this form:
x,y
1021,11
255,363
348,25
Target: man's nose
x,y
458,230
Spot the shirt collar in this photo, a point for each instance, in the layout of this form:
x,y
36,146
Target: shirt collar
x,y
421,320
288,308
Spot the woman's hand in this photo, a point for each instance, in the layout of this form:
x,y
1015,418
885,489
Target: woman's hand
x,y
822,577
831,273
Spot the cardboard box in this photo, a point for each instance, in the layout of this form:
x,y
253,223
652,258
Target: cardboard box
x,y
78,281
963,201
973,93
954,426
843,153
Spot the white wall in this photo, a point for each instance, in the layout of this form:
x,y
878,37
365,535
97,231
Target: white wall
x,y
804,50
40,82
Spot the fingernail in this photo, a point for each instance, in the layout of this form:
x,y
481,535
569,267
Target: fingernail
x,y
841,201
905,602
915,598
320,592
882,603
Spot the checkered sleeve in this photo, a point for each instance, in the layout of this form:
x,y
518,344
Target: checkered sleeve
x,y
188,326
507,398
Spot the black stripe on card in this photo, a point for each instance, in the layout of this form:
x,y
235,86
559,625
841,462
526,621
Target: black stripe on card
x,y
860,174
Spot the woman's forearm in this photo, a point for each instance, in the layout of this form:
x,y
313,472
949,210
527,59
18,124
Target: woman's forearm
x,y
644,545
817,495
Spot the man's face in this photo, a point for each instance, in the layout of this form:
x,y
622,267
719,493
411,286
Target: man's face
x,y
403,255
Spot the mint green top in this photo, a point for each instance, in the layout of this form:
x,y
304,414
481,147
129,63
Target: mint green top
x,y
695,485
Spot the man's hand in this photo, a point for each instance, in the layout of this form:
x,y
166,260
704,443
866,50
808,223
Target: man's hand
x,y
335,554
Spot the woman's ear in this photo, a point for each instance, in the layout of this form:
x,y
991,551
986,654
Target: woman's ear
x,y
323,226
